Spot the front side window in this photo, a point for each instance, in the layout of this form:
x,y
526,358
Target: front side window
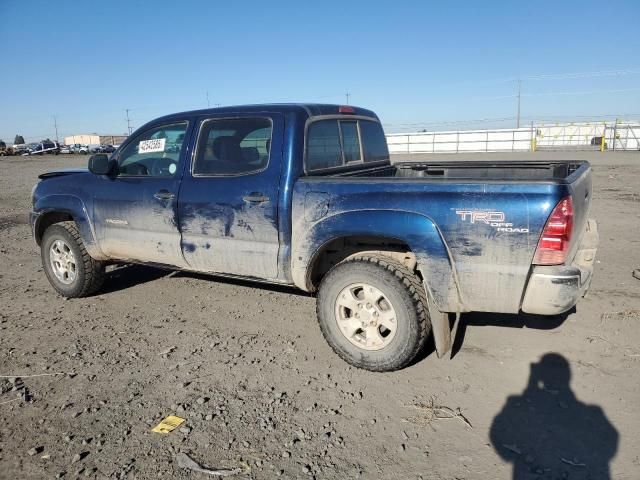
x,y
339,142
233,146
154,153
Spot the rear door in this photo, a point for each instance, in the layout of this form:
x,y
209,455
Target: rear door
x,y
228,203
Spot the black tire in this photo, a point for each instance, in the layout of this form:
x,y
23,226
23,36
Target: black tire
x,y
89,273
405,293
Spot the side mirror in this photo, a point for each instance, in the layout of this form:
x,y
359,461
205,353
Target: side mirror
x,y
101,165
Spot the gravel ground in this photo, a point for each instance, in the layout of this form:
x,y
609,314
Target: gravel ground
x,y
84,381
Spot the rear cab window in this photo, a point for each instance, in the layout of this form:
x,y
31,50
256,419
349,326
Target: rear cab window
x,y
342,142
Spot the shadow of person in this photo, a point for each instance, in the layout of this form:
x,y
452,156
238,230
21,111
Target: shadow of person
x,y
547,433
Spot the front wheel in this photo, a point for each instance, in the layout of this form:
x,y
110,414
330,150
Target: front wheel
x,y
67,264
373,312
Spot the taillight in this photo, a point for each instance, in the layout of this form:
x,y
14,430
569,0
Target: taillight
x,y
553,246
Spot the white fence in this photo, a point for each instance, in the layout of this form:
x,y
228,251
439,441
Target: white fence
x,y
567,136
512,140
627,136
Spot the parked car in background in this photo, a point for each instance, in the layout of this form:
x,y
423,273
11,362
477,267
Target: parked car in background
x,y
79,148
102,149
5,151
46,146
20,148
66,149
597,142
173,147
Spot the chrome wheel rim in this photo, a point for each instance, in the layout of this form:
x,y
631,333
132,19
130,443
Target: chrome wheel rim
x,y
63,262
365,316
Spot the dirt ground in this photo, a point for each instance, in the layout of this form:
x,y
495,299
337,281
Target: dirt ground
x,y
247,367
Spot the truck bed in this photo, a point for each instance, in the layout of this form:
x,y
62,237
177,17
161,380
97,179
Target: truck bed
x,y
563,172
489,215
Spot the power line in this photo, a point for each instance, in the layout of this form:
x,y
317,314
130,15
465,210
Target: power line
x,y
600,73
553,94
554,76
444,123
592,92
450,122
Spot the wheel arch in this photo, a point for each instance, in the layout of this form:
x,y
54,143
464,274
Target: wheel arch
x,y
399,234
46,219
53,209
337,249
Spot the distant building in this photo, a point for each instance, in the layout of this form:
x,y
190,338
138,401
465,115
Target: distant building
x,y
94,139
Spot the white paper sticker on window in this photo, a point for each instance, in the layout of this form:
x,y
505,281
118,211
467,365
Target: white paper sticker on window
x,y
151,146
172,168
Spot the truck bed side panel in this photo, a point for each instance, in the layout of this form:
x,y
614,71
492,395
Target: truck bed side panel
x,y
490,230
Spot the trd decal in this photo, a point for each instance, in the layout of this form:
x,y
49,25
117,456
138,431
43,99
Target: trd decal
x,y
488,217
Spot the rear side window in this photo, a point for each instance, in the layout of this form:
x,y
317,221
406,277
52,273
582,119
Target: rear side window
x,y
374,143
350,141
339,142
233,146
323,145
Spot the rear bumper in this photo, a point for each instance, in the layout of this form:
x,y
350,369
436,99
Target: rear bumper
x,y
555,289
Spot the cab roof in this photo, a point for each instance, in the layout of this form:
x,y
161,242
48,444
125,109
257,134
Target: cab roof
x,y
310,109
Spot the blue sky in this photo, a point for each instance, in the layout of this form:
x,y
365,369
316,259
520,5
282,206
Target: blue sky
x,y
417,63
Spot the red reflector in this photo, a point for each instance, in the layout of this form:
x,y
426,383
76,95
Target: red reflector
x,y
346,109
553,246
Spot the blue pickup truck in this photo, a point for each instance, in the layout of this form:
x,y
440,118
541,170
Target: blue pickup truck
x,y
306,195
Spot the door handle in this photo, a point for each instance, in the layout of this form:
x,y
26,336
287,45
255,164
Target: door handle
x,y
164,195
255,197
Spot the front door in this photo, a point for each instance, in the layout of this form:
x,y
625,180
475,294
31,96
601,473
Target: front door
x,y
135,213
228,202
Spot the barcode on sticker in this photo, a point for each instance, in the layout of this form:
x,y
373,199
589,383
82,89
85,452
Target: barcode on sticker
x,y
151,146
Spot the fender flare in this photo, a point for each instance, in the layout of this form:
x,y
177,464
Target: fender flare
x,y
72,206
419,232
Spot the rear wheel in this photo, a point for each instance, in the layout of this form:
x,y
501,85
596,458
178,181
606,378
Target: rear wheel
x,y
67,264
373,312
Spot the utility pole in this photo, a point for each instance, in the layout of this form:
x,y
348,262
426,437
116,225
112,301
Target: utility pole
x,y
208,99
519,90
55,124
347,95
128,121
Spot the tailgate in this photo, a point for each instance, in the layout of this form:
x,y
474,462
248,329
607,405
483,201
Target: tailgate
x,y
580,188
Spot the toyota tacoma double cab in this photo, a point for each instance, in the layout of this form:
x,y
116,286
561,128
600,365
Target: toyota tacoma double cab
x,y
306,195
